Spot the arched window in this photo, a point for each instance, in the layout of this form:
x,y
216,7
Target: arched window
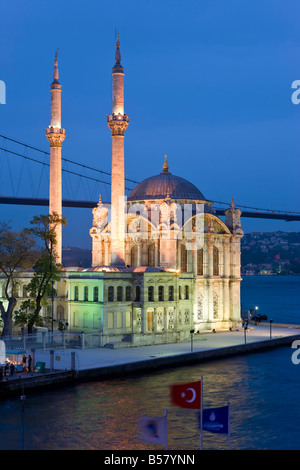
x,y
110,294
161,293
186,292
75,292
120,293
128,293
215,261
16,290
200,262
151,255
133,261
179,293
86,293
150,293
96,294
171,292
183,259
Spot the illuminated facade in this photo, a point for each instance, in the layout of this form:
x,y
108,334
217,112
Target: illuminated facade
x,y
163,263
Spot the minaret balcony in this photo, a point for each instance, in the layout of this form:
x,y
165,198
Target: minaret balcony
x,y
118,117
117,123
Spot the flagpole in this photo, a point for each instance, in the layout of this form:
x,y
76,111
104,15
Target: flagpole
x,y
229,437
166,443
201,413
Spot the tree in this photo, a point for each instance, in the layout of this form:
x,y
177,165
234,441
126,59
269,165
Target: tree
x,y
46,269
17,253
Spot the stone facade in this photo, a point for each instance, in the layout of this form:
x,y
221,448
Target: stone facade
x,y
163,263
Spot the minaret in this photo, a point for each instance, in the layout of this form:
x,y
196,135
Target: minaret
x,y
56,135
117,122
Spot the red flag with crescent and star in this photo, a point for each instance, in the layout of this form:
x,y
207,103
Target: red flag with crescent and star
x,y
187,395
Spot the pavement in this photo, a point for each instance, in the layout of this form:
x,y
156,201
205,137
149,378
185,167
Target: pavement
x,y
104,357
204,346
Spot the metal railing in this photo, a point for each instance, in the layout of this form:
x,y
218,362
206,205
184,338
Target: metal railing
x,y
54,340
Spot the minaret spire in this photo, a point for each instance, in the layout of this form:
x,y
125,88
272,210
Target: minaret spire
x,y
118,52
56,135
118,122
55,71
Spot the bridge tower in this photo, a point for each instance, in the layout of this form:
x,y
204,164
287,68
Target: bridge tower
x,y
118,122
56,135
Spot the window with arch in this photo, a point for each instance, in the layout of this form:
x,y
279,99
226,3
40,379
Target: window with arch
x,y
161,293
24,291
96,294
76,292
186,292
151,255
110,294
200,262
215,261
16,290
150,293
179,293
133,255
86,293
183,259
128,293
171,292
120,293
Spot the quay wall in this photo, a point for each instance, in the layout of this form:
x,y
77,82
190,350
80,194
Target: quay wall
x,y
39,382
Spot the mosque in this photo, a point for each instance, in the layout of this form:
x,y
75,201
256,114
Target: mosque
x,y
163,264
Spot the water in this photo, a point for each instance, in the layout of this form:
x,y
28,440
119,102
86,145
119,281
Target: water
x,y
277,297
263,391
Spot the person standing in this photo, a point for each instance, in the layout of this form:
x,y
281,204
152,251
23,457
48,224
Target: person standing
x,y
29,363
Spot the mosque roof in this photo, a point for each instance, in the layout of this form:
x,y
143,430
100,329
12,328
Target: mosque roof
x,y
165,185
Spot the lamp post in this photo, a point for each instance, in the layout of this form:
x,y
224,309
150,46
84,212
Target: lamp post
x,y
245,326
271,329
192,334
255,314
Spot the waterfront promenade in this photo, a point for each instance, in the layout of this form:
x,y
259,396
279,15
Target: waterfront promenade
x,y
103,363
203,347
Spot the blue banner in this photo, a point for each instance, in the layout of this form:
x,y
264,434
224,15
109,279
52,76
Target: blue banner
x,y
215,420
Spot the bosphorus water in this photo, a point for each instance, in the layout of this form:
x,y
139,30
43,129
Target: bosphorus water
x,y
263,390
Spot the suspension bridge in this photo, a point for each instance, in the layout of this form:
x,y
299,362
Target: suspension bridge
x,y
82,183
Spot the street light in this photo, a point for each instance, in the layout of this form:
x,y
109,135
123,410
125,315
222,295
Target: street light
x,y
245,326
192,333
255,314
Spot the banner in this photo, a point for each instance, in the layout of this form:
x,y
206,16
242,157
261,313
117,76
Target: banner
x,y
154,429
216,420
187,395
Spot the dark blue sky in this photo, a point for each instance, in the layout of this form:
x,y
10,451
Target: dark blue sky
x,y
206,82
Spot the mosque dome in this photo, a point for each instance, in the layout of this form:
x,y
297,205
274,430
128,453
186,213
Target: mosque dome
x,y
163,185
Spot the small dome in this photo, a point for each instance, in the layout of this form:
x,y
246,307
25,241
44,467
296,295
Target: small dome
x,y
163,185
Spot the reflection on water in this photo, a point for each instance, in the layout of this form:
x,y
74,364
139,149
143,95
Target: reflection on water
x,y
262,388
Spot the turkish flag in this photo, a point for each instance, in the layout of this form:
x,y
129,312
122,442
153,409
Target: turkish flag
x,y
187,395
